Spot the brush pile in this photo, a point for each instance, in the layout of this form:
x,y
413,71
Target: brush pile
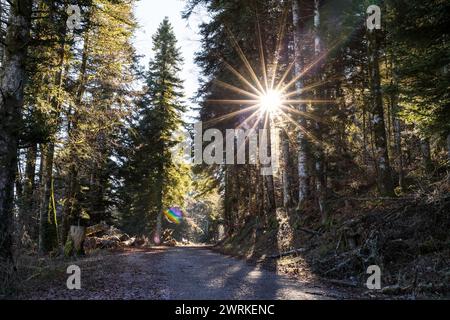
x,y
103,236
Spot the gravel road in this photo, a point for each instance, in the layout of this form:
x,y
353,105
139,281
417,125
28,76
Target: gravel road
x,y
177,273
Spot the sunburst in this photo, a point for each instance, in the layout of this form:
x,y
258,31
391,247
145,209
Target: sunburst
x,y
269,100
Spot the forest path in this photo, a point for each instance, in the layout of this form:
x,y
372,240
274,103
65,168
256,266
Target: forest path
x,y
199,273
187,273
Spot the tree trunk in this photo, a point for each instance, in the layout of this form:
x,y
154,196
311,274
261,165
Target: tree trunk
x,y
426,155
12,81
229,197
48,225
71,209
268,172
320,94
2,34
48,238
398,150
160,194
19,178
287,171
448,149
384,177
27,204
397,126
235,204
303,153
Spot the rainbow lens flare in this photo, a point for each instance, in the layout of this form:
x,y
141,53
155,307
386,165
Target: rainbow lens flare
x,y
173,215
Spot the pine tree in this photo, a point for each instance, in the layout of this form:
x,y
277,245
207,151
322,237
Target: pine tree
x,y
101,100
156,178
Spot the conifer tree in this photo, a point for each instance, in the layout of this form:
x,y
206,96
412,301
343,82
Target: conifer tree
x,y
156,178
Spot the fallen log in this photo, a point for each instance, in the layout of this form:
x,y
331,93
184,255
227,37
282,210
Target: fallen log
x,y
396,289
308,231
287,253
341,282
380,198
101,227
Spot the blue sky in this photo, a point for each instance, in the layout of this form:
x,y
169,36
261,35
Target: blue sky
x,y
149,14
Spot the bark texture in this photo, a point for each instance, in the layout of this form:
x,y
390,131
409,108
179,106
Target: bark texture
x,y
303,153
12,80
384,176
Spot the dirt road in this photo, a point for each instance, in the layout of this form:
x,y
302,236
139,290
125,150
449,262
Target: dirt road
x,y
176,273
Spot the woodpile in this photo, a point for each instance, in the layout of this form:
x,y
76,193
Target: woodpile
x,y
103,236
168,239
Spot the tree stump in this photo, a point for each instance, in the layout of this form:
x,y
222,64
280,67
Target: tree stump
x,y
75,240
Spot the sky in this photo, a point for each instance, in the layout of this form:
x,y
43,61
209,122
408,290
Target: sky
x,y
149,14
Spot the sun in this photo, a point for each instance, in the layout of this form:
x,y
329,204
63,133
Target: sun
x,y
271,101
271,97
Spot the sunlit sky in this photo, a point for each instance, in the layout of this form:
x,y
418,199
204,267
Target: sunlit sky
x,y
149,14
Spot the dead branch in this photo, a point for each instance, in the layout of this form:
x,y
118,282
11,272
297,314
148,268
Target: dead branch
x,y
287,253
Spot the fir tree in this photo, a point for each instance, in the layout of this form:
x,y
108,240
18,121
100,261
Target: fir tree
x,y
157,180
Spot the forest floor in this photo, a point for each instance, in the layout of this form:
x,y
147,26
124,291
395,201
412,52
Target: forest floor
x,y
172,273
408,238
295,256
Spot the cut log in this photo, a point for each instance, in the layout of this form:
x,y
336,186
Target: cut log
x,y
124,237
129,242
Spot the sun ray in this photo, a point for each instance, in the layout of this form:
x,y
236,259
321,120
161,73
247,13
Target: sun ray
x,y
254,114
253,128
261,54
284,76
232,101
272,99
244,59
281,34
235,89
283,124
241,77
289,136
311,137
308,115
266,120
231,114
310,88
309,67
309,101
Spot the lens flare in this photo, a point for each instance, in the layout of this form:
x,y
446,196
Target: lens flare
x,y
174,215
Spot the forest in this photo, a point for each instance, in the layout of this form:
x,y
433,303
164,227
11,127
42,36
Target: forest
x,y
351,96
